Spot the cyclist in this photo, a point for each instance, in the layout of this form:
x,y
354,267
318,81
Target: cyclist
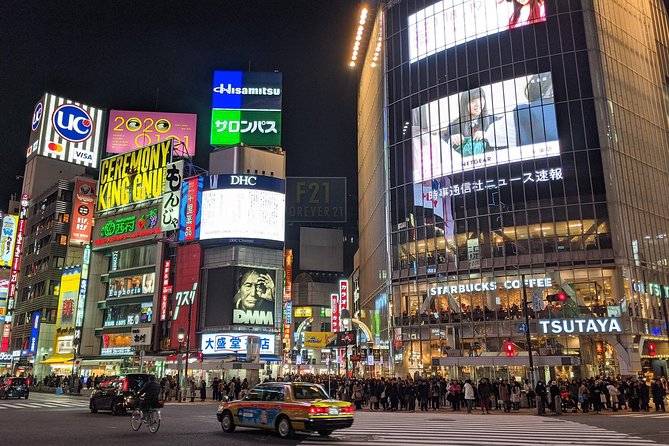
x,y
149,394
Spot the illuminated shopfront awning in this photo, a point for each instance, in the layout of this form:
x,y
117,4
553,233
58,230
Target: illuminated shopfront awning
x,y
504,361
58,359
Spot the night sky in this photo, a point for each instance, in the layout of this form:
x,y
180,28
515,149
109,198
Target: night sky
x,y
139,55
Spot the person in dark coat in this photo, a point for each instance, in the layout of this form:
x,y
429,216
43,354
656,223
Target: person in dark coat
x,y
485,391
203,390
658,392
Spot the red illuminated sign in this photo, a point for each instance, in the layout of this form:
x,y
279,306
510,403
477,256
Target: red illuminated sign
x,y
343,294
185,300
82,211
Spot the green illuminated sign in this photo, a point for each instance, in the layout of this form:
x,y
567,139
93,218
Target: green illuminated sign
x,y
252,127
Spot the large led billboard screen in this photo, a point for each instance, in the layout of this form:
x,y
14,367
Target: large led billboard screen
x,y
243,208
451,22
129,130
496,124
66,130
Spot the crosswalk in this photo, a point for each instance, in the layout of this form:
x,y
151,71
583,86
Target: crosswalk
x,y
463,429
651,414
45,403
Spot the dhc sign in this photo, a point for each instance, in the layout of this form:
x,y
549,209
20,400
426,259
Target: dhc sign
x,y
580,326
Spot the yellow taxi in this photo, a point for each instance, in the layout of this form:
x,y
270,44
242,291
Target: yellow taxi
x,y
286,407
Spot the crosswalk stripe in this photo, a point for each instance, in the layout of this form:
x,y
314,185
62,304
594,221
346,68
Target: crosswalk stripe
x,y
468,430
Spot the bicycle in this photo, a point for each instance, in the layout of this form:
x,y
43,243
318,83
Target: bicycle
x,y
151,418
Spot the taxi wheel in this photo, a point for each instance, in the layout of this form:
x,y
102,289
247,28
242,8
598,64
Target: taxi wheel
x,y
227,423
93,407
324,433
284,428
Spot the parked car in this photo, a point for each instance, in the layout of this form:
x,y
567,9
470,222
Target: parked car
x,y
287,407
14,387
118,393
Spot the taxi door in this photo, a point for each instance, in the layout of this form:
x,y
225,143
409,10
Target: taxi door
x,y
247,411
271,406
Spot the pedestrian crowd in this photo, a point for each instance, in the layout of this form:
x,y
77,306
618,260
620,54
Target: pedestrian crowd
x,y
410,394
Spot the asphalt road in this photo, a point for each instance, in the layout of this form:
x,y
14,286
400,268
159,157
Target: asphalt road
x,y
45,420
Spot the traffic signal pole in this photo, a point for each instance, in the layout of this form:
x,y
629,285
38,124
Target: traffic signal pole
x,y
528,338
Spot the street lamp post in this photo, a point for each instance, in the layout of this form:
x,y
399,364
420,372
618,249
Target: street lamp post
x,y
528,337
180,337
190,311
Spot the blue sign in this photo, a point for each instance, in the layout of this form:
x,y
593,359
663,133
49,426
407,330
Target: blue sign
x,y
522,328
34,333
241,90
191,209
73,123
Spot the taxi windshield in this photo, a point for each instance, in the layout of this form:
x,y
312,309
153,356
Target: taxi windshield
x,y
309,392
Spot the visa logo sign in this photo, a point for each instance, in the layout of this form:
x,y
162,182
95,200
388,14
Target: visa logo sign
x,y
73,123
84,156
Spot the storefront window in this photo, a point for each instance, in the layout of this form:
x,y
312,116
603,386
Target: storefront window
x,y
133,257
129,314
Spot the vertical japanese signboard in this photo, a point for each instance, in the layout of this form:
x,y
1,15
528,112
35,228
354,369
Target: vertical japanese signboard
x,y
186,296
34,334
288,304
343,295
81,301
334,313
82,211
172,196
191,204
166,289
14,274
67,303
8,239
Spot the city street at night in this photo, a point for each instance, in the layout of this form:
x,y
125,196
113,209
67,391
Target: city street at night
x,y
65,420
354,223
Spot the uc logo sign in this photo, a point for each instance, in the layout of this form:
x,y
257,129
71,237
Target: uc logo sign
x,y
73,123
37,115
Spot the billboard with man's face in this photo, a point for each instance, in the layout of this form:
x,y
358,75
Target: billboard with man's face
x,y
241,296
254,296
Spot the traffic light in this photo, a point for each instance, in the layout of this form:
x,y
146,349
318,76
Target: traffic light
x,y
509,348
651,349
559,297
200,356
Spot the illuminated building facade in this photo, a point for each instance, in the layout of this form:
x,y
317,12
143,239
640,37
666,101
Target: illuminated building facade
x,y
526,154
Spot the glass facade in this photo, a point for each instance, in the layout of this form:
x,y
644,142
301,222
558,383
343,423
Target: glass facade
x,y
526,148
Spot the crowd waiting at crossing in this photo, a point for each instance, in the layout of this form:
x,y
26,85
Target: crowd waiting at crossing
x,y
410,394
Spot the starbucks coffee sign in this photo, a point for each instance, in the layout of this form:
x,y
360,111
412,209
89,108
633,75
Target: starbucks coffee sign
x,y
600,325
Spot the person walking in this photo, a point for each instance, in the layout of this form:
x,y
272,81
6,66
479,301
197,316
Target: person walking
x,y
529,393
469,395
540,391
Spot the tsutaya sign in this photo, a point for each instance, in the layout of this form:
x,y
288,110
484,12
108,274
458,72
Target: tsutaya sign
x,y
544,282
580,326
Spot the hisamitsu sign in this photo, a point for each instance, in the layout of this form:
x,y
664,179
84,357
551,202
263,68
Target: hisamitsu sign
x,y
602,325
